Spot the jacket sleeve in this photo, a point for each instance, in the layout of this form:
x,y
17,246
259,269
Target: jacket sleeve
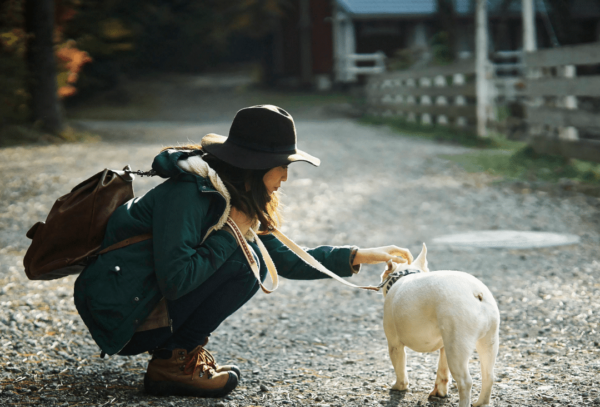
x,y
289,265
181,264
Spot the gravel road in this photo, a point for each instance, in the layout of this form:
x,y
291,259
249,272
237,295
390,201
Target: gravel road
x,y
318,342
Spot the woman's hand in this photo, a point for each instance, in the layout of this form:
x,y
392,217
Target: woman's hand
x,y
242,220
383,255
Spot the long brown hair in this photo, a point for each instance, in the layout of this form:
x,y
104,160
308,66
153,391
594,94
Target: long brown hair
x,y
254,201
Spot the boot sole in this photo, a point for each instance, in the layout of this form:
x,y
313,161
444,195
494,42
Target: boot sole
x,y
160,388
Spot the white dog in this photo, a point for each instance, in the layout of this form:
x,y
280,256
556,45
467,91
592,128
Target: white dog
x,y
447,310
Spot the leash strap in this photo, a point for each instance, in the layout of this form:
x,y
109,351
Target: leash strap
x,y
248,254
307,258
310,260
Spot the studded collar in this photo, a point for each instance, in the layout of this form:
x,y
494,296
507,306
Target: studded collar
x,y
395,276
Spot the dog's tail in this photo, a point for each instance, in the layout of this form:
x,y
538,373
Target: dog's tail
x,y
421,261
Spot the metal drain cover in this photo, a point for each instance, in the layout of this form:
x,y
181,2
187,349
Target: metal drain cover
x,y
506,239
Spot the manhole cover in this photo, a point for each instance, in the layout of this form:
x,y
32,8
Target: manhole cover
x,y
506,239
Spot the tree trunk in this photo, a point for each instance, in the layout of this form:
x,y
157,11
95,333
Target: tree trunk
x,y
39,24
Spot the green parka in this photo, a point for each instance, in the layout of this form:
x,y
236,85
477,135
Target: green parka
x,y
117,291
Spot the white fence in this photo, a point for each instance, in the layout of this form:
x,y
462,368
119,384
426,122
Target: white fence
x,y
438,95
350,69
549,90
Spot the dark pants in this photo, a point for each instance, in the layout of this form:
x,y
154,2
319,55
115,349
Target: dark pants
x,y
197,314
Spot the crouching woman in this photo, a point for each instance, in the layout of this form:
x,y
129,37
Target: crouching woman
x,y
166,295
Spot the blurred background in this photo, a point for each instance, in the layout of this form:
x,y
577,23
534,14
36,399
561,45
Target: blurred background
x,y
468,71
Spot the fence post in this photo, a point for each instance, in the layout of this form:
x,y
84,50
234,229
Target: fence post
x,y
350,42
440,81
568,102
481,67
529,43
426,118
458,80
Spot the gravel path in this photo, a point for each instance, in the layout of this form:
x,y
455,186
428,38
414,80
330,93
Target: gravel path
x,y
318,342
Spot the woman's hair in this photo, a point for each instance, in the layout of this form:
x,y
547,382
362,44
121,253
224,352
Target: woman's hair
x,y
254,201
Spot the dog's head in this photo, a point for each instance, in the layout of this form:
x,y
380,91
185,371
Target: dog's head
x,y
420,263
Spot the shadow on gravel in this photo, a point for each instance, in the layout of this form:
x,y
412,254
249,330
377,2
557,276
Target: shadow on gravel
x,y
401,398
395,398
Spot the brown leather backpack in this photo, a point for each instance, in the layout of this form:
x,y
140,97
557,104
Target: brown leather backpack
x,y
75,226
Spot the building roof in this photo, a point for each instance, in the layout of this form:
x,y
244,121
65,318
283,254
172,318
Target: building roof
x,y
392,8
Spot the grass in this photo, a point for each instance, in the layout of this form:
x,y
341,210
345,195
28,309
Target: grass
x,y
525,164
498,156
15,135
437,133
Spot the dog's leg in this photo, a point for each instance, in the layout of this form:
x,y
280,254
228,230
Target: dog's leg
x,y
458,352
398,356
442,379
487,348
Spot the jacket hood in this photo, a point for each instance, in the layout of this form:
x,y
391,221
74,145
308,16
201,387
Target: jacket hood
x,y
170,163
165,163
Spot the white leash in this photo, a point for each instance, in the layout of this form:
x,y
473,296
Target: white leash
x,y
310,260
248,254
307,258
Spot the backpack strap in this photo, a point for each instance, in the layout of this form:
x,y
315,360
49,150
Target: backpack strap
x,y
124,243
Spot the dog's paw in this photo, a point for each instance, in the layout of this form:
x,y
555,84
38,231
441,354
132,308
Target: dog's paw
x,y
400,386
439,391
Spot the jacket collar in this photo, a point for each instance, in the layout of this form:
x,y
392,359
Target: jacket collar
x,y
196,165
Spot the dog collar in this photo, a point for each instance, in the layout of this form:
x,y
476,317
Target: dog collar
x,y
395,276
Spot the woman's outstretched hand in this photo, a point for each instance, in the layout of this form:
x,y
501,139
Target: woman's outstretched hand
x,y
383,255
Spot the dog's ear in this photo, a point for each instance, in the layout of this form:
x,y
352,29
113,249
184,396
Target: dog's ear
x,y
421,261
391,266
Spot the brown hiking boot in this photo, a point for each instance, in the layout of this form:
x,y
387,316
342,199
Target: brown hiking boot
x,y
188,374
222,368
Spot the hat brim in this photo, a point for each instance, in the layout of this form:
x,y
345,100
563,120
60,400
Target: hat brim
x,y
252,159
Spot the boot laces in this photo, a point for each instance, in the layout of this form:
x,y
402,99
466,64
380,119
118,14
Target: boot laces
x,y
202,360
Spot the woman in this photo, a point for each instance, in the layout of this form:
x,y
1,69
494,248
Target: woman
x,y
168,294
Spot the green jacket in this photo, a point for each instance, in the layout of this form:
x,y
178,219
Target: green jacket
x,y
117,291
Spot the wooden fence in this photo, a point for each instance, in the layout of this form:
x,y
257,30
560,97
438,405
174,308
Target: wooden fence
x,y
437,95
446,95
556,120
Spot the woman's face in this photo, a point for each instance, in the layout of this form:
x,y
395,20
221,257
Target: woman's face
x,y
274,177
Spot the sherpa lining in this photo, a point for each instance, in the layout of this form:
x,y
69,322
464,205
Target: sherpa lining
x,y
196,165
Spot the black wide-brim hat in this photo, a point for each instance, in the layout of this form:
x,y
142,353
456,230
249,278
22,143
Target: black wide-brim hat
x,y
260,137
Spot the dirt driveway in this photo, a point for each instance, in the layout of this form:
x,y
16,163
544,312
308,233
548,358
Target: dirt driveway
x,y
317,342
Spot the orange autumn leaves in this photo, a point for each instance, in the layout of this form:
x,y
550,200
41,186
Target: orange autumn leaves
x,y
72,60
